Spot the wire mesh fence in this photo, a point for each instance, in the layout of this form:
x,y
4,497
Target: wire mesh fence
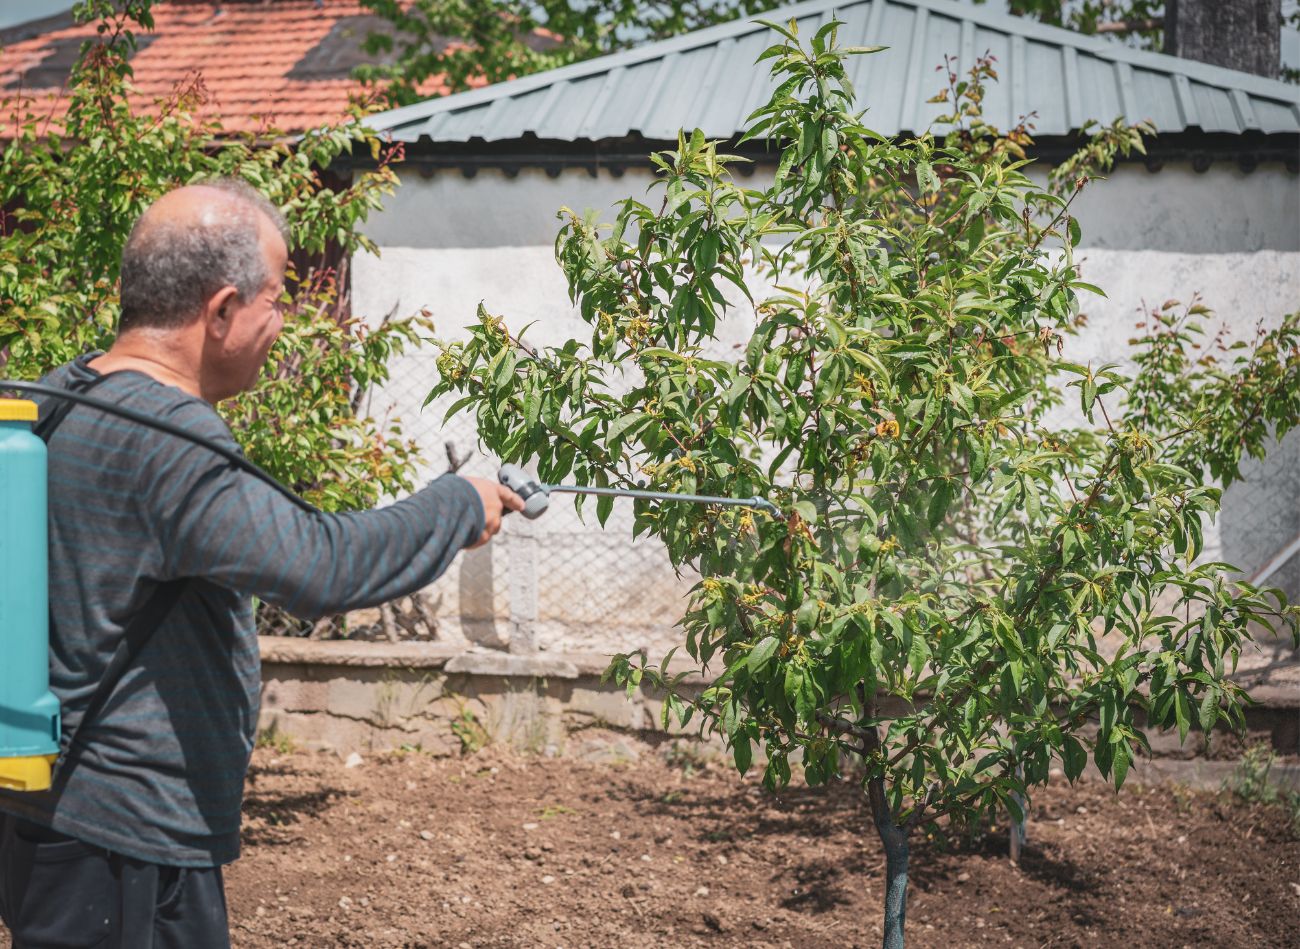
x,y
558,584
1261,514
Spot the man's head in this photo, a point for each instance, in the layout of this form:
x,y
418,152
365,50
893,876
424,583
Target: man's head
x,y
205,263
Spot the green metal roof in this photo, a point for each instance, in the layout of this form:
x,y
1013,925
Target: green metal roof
x,y
708,79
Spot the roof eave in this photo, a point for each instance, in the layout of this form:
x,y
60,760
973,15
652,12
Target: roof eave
x,y
1199,148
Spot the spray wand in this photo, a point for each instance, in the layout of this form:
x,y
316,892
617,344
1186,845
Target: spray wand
x,y
537,494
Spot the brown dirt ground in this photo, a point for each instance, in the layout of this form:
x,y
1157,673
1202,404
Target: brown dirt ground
x,y
498,849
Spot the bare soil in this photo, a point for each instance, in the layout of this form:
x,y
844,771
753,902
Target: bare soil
x,y
497,849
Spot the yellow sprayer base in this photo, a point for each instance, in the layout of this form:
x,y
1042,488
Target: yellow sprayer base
x,y
26,774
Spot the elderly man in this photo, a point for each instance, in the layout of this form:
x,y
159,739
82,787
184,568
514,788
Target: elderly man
x,y
126,849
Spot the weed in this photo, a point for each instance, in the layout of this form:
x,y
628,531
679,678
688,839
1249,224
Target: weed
x,y
690,756
469,731
278,741
555,810
1183,797
1249,782
399,696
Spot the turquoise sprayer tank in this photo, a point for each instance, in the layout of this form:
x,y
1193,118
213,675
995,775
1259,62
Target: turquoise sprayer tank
x,y
29,712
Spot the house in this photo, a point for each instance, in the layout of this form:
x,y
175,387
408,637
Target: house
x,y
285,64
1214,208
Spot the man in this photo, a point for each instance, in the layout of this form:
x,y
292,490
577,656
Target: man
x,y
126,849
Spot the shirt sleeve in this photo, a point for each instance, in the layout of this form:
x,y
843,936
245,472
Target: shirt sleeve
x,y
218,522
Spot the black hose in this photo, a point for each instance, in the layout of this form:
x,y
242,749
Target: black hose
x,y
234,457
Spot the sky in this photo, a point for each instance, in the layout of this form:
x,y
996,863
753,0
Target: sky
x,y
13,12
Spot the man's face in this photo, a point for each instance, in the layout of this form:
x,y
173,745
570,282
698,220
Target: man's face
x,y
255,323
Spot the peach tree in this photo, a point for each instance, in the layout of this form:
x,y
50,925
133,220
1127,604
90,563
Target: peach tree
x,y
957,597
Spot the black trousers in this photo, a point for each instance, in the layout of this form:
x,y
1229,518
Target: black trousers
x,y
59,893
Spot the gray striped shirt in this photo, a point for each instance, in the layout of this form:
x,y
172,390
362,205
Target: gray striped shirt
x,y
161,777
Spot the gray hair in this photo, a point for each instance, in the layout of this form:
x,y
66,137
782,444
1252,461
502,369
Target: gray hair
x,y
171,268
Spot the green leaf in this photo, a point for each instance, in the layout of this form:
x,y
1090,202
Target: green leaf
x,y
742,753
620,426
926,178
940,499
761,653
1208,713
806,616
918,653
792,683
1182,712
1073,757
978,459
1120,763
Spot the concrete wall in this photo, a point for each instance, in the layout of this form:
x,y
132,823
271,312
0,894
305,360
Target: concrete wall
x,y
371,697
448,242
379,696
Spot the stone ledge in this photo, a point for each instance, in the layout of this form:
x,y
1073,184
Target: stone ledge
x,y
595,664
288,650
504,664
342,652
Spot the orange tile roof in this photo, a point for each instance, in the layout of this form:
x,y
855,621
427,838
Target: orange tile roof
x,y
278,63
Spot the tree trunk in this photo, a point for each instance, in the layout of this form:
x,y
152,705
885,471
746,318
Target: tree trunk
x,y
1239,34
896,856
892,835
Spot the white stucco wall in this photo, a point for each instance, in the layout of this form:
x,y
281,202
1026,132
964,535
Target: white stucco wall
x,y
448,243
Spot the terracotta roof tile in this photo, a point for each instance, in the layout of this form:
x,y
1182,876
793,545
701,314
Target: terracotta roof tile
x,y
255,60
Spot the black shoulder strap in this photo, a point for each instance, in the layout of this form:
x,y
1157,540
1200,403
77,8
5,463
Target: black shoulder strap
x,y
141,627
46,425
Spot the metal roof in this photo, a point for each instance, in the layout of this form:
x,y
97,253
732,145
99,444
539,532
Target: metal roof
x,y
708,80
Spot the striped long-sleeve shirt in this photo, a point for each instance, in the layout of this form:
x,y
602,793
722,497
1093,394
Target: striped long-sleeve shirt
x,y
162,772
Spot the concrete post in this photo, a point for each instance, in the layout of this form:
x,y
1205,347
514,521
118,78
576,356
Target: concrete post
x,y
523,586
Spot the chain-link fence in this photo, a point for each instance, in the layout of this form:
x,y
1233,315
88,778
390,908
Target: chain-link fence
x,y
557,584
1261,514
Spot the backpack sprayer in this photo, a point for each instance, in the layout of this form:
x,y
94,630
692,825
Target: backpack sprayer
x,y
30,728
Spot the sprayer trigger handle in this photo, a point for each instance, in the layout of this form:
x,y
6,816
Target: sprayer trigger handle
x,y
536,499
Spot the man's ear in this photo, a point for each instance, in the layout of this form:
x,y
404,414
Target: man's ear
x,y
218,314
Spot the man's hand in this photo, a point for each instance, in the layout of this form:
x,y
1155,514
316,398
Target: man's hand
x,y
497,499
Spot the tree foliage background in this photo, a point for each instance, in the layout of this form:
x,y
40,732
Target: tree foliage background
x,y
74,179
457,44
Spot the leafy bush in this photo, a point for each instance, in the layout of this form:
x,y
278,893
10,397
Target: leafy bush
x,y
955,597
